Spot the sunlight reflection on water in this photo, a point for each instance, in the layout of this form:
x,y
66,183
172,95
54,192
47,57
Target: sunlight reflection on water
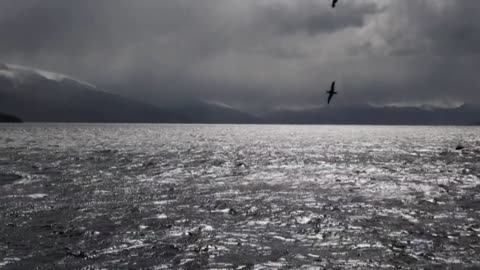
x,y
238,196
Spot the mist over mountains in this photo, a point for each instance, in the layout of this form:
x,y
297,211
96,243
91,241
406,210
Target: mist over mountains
x,y
41,96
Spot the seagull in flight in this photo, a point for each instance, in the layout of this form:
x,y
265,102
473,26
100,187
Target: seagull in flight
x,y
334,3
331,92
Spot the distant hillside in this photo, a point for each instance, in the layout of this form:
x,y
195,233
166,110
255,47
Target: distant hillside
x,y
6,118
41,96
368,115
199,111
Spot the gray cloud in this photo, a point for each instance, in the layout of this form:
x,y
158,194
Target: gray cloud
x,y
435,44
266,53
313,17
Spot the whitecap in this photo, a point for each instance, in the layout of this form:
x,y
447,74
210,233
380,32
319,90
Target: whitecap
x,y
284,239
225,211
37,196
161,216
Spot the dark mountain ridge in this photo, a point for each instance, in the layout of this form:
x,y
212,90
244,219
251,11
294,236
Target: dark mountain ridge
x,y
201,111
370,115
7,118
42,96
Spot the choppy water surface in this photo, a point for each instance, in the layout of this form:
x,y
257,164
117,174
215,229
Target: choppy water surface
x,y
238,197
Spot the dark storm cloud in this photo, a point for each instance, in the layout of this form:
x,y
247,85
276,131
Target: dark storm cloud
x,y
255,52
312,17
436,48
444,28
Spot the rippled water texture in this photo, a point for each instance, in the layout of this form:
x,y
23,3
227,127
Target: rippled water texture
x,y
238,197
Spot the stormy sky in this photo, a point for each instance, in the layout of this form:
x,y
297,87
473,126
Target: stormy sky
x,y
254,53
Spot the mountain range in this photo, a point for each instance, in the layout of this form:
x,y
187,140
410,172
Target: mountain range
x,y
374,115
41,96
9,118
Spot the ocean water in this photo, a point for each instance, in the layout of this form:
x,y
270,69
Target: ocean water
x,y
238,197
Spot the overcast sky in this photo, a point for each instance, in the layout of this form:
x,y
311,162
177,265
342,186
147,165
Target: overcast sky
x,y
261,53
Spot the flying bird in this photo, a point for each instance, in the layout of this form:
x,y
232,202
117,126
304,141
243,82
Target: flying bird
x,y
334,3
331,92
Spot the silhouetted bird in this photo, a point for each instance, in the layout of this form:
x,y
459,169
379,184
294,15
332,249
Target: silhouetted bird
x,y
331,92
334,3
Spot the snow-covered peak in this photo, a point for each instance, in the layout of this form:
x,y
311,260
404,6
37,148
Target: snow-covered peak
x,y
218,104
17,73
5,71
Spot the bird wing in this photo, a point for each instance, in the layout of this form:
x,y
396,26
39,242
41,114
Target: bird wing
x,y
333,87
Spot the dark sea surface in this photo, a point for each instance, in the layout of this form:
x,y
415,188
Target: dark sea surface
x,y
238,197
